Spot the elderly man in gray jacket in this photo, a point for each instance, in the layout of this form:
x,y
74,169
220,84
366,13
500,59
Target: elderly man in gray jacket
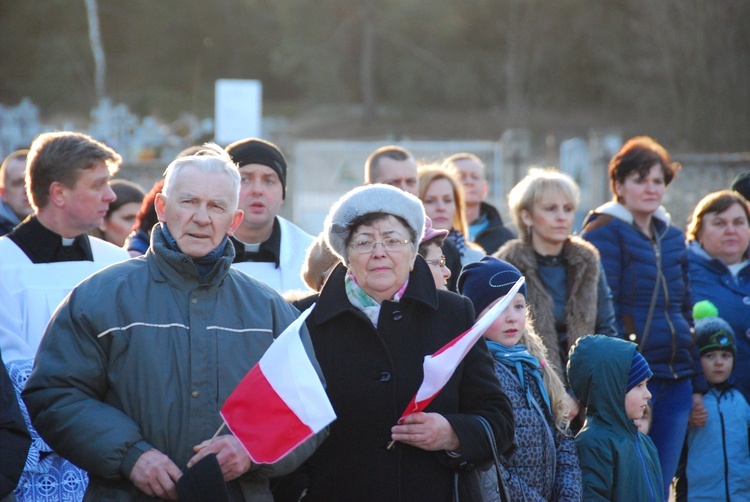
x,y
138,360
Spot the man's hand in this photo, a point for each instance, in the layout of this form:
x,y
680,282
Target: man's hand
x,y
232,457
156,475
429,431
699,414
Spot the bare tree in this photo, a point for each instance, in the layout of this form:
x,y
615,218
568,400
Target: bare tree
x,y
367,62
100,64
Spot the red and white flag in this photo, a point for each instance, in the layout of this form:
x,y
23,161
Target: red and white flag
x,y
439,367
281,401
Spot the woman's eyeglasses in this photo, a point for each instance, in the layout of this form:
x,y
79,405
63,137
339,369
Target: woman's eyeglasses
x,y
368,246
437,263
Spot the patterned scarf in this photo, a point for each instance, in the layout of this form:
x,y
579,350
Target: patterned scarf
x,y
364,302
457,237
518,358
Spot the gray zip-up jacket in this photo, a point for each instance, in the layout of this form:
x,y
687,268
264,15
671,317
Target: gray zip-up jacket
x,y
142,355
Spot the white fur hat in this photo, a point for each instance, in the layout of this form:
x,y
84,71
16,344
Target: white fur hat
x,y
377,198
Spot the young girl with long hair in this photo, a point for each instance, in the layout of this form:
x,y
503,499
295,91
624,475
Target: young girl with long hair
x,y
545,465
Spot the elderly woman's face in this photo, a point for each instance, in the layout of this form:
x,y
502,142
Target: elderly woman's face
x,y
440,273
725,235
381,272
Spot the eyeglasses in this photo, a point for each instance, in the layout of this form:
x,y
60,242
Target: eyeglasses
x,y
437,263
391,244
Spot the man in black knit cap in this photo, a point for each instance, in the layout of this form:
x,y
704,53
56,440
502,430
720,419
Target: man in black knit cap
x,y
268,247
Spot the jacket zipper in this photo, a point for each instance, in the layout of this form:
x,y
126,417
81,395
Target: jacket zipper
x,y
663,280
723,445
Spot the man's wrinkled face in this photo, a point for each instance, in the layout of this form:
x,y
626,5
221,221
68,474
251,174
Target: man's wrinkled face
x,y
199,211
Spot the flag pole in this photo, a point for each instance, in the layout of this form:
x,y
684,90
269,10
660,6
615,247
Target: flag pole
x,y
438,369
223,424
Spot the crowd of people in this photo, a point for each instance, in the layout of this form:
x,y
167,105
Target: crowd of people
x,y
618,370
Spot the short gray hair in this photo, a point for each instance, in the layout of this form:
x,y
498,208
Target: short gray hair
x,y
211,158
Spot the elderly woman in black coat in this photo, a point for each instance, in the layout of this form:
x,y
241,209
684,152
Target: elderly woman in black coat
x,y
378,315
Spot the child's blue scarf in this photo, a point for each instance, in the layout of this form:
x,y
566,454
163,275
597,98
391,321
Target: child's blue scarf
x,y
515,358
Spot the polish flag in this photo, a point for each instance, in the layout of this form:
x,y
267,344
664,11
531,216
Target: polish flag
x,y
439,367
281,401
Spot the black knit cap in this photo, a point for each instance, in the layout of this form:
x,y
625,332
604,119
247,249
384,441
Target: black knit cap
x,y
258,151
741,184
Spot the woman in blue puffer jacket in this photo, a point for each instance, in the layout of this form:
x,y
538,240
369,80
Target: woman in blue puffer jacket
x,y
646,265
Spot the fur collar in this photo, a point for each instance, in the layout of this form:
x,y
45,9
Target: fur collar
x,y
581,260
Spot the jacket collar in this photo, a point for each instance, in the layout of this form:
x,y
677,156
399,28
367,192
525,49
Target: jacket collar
x,y
7,213
178,268
333,301
697,250
492,214
619,211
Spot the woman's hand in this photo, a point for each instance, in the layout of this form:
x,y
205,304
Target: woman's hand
x,y
699,414
428,431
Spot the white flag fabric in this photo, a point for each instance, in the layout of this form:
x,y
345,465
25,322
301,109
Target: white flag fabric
x,y
439,367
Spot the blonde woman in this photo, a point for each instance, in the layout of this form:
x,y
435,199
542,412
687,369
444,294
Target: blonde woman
x,y
443,199
568,292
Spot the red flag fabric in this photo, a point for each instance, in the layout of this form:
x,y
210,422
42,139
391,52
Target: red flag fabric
x,y
439,367
281,401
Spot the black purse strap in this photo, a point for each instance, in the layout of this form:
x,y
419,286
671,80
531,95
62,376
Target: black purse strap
x,y
500,487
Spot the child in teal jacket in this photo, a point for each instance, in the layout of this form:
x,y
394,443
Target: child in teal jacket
x,y
618,462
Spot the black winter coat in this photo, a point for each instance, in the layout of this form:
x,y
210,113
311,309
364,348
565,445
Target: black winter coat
x,y
495,235
372,375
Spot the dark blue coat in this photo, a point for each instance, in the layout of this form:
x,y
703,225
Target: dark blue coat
x,y
711,280
636,266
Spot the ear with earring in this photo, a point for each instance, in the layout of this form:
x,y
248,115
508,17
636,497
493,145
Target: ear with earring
x,y
527,221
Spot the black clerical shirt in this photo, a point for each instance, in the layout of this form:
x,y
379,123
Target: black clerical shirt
x,y
42,245
269,250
